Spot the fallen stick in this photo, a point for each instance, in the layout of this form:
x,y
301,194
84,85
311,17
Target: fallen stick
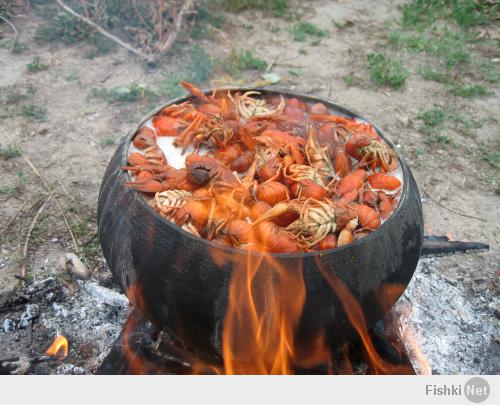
x,y
176,27
14,41
28,234
50,190
105,33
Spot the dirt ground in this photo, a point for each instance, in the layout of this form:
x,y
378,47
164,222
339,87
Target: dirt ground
x,y
72,145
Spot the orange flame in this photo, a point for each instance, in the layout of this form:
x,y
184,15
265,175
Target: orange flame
x,y
264,309
265,305
59,343
136,364
357,319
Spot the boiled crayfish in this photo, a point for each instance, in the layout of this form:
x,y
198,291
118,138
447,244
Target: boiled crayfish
x,y
265,173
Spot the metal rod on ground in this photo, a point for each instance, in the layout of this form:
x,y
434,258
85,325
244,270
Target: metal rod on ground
x,y
438,245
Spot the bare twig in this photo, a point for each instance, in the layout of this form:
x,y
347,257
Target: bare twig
x,y
451,209
14,41
66,190
28,234
105,33
85,8
77,213
50,190
176,27
139,15
269,67
13,219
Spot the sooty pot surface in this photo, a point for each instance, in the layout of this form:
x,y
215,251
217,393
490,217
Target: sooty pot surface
x,y
181,282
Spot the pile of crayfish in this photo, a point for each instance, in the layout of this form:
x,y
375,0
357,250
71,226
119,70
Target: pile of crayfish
x,y
266,173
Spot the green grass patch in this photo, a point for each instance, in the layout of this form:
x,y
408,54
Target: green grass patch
x,y
34,111
490,71
432,74
442,30
433,125
436,120
36,65
490,152
434,117
10,151
419,14
15,95
351,80
110,140
65,28
458,88
199,67
125,94
469,90
204,19
16,186
277,8
302,30
239,60
9,189
387,71
447,45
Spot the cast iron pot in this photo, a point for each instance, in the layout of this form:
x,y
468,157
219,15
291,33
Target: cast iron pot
x,y
184,290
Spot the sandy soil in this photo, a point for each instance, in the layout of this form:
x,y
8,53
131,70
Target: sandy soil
x,y
69,147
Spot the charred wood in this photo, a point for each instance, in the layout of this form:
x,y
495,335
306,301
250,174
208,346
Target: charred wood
x,y
441,245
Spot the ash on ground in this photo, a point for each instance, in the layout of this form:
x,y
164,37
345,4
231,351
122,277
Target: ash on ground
x,y
88,313
453,316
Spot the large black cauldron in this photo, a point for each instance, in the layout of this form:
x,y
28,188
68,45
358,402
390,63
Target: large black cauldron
x,y
184,290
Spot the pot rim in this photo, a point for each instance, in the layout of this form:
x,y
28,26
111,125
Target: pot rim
x,y
271,91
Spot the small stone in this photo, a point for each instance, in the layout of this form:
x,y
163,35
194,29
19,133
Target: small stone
x,y
9,325
30,313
